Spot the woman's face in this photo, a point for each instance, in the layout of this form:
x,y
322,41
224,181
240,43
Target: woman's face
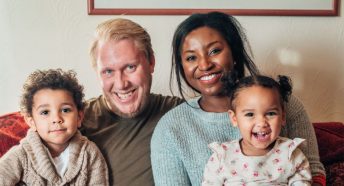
x,y
206,56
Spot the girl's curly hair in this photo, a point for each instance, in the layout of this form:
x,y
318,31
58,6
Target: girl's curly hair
x,y
233,85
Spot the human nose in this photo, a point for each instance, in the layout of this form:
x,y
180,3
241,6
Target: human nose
x,y
57,119
261,121
120,81
205,63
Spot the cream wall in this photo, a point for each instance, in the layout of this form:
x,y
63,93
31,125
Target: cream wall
x,y
41,34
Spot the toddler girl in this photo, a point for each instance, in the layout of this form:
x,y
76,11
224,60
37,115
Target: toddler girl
x,y
261,157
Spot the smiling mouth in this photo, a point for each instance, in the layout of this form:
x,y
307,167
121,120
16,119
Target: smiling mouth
x,y
209,77
124,96
261,135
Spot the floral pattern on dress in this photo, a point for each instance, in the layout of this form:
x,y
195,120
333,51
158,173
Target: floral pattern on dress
x,y
285,164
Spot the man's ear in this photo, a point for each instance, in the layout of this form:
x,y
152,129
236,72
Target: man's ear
x,y
80,118
30,121
233,118
152,64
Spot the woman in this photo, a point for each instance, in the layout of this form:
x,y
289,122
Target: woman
x,y
205,48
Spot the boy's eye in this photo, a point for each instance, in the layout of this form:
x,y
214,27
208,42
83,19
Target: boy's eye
x,y
44,112
249,114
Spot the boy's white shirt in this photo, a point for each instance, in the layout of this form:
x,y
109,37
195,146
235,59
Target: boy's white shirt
x,y
60,162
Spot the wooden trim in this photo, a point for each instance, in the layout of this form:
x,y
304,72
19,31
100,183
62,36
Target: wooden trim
x,y
242,12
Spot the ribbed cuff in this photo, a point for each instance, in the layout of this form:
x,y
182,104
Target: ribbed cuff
x,y
321,179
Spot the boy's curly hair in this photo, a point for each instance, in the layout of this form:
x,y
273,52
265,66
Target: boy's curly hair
x,y
55,79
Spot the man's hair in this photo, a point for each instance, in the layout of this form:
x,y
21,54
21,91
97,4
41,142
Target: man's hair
x,y
118,29
55,79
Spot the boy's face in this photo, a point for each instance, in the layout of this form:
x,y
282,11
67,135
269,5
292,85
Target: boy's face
x,y
55,117
259,116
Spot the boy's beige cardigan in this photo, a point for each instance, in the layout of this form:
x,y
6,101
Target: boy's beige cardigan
x,y
29,163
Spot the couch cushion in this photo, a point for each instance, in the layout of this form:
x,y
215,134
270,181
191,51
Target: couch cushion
x,y
335,174
12,129
330,137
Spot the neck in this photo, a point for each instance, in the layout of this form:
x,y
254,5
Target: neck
x,y
214,103
56,150
249,150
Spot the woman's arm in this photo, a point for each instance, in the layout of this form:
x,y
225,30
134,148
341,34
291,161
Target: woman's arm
x,y
299,125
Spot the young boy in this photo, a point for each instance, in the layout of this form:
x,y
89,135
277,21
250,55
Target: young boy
x,y
53,152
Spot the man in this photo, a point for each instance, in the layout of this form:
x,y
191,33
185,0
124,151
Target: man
x,y
121,121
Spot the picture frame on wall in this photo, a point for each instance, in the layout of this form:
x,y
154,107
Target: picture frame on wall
x,y
233,7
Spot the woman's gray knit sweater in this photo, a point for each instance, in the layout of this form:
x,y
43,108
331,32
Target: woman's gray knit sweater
x,y
179,146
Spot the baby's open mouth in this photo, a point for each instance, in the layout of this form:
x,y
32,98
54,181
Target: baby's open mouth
x,y
261,135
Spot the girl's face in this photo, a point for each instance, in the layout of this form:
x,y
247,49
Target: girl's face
x,y
206,56
259,116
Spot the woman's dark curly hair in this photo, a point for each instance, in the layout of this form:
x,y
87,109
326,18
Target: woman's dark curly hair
x,y
233,84
55,79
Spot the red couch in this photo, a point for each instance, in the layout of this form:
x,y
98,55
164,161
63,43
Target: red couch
x,y
330,136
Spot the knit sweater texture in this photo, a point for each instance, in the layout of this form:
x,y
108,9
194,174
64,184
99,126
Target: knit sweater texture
x,y
179,146
29,164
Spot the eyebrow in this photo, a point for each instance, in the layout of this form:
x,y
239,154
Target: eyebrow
x,y
248,110
207,46
47,105
41,106
212,43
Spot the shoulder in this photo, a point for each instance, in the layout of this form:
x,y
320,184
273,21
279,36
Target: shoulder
x,y
182,108
174,119
165,103
94,104
294,106
83,147
15,152
90,146
96,114
292,145
172,126
296,116
290,142
83,142
94,107
222,148
14,157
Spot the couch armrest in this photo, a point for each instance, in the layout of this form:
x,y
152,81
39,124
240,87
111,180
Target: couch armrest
x,y
330,137
12,129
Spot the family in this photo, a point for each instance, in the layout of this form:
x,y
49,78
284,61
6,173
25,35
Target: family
x,y
242,128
